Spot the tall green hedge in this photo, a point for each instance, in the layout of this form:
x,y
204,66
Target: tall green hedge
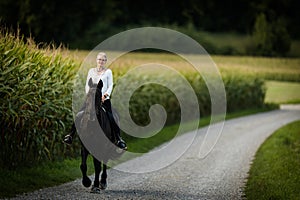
x,y
242,92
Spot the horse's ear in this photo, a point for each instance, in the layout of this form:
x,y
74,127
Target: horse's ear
x,y
99,88
100,84
90,82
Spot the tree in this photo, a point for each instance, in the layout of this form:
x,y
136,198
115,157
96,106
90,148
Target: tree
x,y
262,36
270,39
281,40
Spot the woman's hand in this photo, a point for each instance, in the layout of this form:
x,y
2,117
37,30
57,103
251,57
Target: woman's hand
x,y
104,97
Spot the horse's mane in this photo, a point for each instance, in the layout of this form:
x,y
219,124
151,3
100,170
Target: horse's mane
x,y
98,96
98,93
92,103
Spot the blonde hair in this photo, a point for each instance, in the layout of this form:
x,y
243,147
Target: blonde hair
x,y
102,54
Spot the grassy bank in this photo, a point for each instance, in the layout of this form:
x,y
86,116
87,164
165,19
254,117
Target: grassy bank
x,y
275,172
26,179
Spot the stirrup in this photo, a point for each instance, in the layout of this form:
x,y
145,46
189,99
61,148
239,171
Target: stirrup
x,y
68,139
122,145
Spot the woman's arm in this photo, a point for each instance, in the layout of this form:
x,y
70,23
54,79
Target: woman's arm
x,y
87,87
110,83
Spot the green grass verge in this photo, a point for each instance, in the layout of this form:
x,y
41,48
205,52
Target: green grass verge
x,y
282,92
53,173
275,172
39,176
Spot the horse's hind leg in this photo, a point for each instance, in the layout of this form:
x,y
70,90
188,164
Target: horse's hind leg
x,y
103,183
86,181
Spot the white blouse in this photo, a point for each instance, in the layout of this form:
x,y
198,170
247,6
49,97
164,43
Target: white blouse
x,y
106,77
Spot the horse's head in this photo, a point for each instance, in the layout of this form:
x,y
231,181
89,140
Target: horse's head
x,y
93,98
93,116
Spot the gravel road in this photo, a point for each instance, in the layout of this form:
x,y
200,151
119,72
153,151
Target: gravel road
x,y
220,175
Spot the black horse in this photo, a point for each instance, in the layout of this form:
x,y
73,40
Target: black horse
x,y
100,139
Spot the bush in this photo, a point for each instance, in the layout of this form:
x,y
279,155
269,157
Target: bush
x,y
244,92
241,92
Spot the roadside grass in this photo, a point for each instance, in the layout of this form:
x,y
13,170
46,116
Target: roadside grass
x,y
282,92
47,174
275,172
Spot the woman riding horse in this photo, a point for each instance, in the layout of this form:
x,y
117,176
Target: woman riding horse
x,y
85,121
104,74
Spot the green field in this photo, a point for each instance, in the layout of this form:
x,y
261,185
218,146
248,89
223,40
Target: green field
x,y
275,172
282,92
280,69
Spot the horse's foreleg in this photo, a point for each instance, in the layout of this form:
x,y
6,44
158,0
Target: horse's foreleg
x,y
97,167
103,183
86,181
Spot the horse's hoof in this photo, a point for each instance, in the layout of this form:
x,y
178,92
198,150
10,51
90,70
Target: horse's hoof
x,y
103,186
86,182
95,190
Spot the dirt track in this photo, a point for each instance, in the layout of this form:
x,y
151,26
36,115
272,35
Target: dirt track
x,y
220,175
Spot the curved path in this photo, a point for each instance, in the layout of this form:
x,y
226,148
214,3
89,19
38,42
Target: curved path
x,y
220,175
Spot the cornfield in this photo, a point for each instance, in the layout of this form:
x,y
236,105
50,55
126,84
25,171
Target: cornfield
x,y
36,88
